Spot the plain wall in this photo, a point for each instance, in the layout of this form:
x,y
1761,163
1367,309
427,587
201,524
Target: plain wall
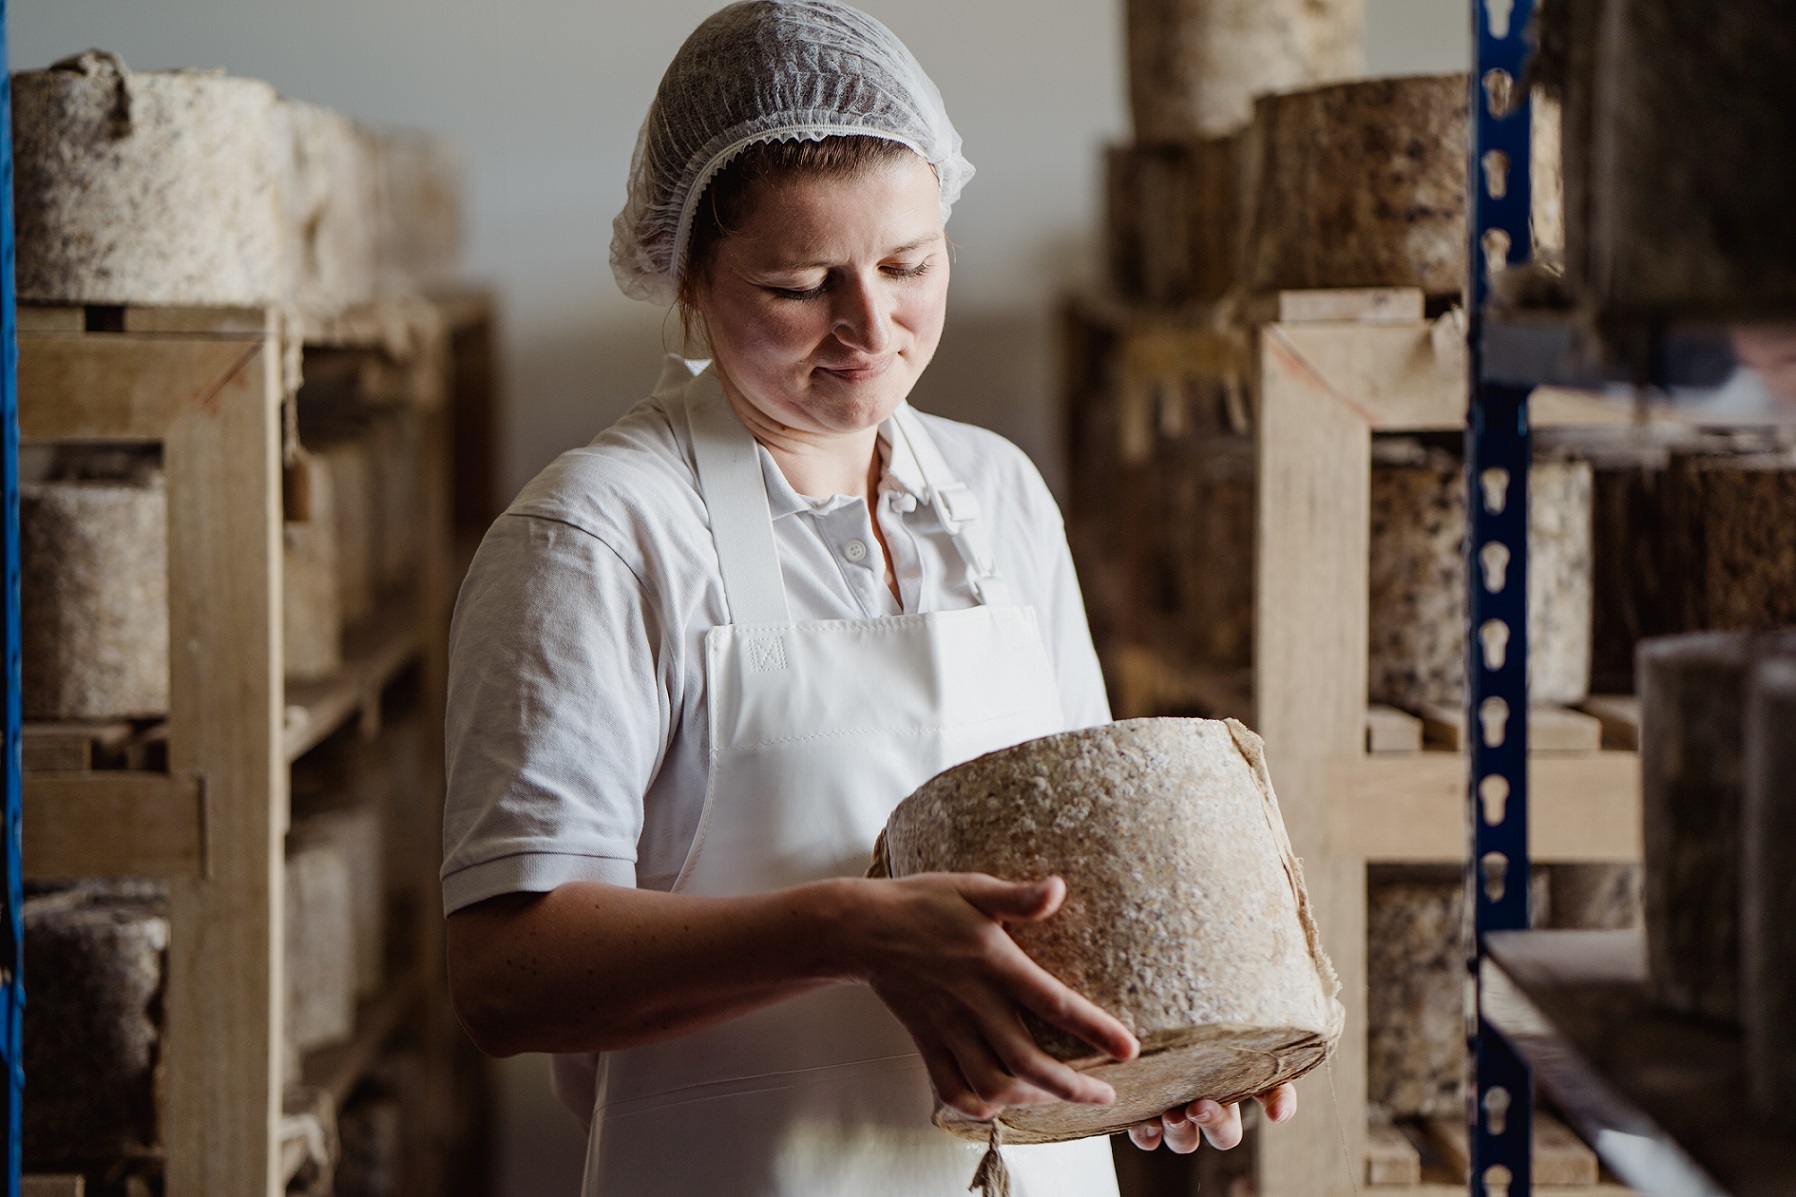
x,y
546,96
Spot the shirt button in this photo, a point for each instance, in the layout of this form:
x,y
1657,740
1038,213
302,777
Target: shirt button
x,y
855,551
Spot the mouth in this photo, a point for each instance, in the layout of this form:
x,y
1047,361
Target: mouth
x,y
865,371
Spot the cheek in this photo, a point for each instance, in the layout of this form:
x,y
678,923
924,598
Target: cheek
x,y
764,335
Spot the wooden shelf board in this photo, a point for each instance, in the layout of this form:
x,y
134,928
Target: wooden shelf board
x,y
114,823
1411,807
373,655
339,1069
1659,1097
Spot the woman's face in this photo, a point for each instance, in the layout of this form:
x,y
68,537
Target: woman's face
x,y
825,306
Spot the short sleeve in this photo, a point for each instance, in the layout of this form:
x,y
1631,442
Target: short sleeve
x,y
557,718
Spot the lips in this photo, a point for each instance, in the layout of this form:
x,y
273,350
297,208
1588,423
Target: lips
x,y
860,371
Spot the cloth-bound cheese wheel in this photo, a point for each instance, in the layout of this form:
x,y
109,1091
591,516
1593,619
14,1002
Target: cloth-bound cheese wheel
x,y
1185,915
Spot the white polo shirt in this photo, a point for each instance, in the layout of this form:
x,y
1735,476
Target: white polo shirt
x,y
577,732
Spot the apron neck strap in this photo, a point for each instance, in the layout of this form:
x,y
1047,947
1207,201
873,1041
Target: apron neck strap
x,y
956,506
735,494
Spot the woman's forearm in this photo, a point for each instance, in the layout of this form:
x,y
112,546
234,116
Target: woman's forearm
x,y
593,967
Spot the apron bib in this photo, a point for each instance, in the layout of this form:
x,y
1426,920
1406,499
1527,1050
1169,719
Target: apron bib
x,y
817,730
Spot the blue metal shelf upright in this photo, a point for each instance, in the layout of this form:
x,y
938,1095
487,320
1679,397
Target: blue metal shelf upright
x,y
1500,1095
12,985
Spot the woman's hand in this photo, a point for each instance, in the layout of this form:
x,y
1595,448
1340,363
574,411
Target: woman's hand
x,y
934,948
1221,1125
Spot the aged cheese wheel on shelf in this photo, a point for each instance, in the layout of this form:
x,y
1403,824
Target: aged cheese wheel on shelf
x,y
1417,582
332,205
1173,218
94,954
1689,537
1195,66
356,495
94,598
1768,889
1676,204
311,602
1693,691
1209,549
159,187
420,210
320,946
1186,915
356,833
1364,185
1415,986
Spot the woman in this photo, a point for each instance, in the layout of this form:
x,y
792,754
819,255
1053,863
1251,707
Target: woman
x,y
697,663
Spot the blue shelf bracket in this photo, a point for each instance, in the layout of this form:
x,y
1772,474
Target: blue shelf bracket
x,y
1499,1105
12,931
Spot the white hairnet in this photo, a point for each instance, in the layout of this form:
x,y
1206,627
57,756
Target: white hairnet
x,y
768,70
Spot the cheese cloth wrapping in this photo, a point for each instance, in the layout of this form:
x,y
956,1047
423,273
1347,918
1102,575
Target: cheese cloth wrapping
x,y
768,70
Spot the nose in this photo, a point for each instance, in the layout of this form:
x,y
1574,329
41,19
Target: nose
x,y
863,317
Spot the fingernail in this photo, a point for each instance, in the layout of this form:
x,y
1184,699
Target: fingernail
x,y
1175,1118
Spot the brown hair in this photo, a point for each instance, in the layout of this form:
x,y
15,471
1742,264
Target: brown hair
x,y
729,199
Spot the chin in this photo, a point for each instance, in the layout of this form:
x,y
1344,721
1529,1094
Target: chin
x,y
844,406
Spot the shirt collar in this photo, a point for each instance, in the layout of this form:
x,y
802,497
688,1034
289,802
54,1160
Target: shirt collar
x,y
900,474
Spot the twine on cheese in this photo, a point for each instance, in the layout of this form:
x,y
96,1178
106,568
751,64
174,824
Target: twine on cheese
x,y
992,1178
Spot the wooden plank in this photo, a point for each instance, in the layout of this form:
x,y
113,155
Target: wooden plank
x,y
124,388
234,322
1411,376
1391,730
35,318
1412,809
114,824
1390,1158
1310,644
71,746
1560,1157
1550,728
52,1184
223,1041
1364,305
1620,716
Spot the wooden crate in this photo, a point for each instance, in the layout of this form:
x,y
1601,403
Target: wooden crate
x,y
208,809
1317,374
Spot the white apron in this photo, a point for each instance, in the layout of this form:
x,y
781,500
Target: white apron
x,y
817,730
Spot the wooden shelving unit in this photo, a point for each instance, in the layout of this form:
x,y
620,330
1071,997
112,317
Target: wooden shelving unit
x,y
1319,374
206,385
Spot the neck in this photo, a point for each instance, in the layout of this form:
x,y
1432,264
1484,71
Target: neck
x,y
817,464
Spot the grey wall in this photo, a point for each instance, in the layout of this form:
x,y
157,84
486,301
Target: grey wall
x,y
546,96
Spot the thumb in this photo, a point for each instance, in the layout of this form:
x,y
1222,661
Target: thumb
x,y
1014,901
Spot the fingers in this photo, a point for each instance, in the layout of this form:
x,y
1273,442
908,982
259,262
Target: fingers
x,y
1013,901
1147,1135
987,1075
1280,1104
950,1083
1221,1124
1181,1133
1025,1060
1040,992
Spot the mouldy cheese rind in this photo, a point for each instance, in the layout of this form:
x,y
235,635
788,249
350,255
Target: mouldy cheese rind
x,y
1185,917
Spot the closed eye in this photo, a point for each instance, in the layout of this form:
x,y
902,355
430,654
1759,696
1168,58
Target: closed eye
x,y
892,271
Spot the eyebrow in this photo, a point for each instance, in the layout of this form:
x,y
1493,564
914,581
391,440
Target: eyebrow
x,y
907,247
